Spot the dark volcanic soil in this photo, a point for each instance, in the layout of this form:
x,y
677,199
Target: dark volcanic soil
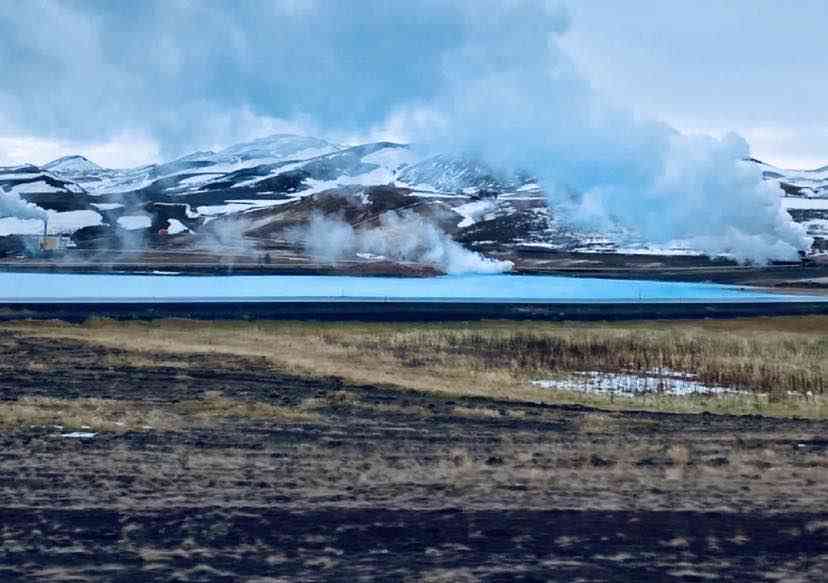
x,y
376,483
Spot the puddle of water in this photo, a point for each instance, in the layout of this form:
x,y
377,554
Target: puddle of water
x,y
663,382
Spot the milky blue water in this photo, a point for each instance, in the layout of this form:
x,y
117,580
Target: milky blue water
x,y
54,287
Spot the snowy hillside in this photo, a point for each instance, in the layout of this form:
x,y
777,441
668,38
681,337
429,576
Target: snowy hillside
x,y
267,180
191,172
47,190
72,166
455,174
803,183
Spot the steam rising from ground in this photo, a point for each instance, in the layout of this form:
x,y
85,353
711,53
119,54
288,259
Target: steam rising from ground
x,y
513,97
401,236
12,205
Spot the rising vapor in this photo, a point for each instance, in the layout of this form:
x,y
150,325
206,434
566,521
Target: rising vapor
x,y
513,97
12,205
400,236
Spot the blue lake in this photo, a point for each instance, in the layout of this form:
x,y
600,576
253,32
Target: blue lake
x,y
54,287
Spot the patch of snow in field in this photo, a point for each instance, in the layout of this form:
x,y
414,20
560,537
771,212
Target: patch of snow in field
x,y
425,191
370,256
222,209
199,179
241,205
36,187
133,222
276,171
473,211
20,176
15,226
107,206
817,175
70,221
175,227
816,226
521,196
392,159
664,381
793,202
529,186
79,435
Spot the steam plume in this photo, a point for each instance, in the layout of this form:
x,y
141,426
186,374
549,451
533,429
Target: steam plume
x,y
12,205
512,96
401,236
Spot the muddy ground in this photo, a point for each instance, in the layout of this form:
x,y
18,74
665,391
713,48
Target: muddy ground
x,y
379,483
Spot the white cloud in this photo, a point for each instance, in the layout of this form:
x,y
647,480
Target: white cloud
x,y
220,129
794,147
124,150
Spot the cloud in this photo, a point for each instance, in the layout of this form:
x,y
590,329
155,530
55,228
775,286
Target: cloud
x,y
513,97
499,78
124,150
86,71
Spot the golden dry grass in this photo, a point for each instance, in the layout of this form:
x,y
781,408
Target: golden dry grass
x,y
118,415
783,360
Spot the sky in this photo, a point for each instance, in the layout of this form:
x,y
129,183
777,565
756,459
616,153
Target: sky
x,y
128,83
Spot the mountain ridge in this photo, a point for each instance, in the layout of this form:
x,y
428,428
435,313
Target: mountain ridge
x,y
266,178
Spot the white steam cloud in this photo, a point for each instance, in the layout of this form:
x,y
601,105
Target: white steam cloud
x,y
12,205
401,236
514,98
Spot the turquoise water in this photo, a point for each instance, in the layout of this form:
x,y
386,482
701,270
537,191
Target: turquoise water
x,y
55,287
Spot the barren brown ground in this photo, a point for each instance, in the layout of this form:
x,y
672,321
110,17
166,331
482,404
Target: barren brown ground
x,y
268,452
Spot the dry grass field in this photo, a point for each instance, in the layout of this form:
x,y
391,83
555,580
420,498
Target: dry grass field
x,y
778,365
267,451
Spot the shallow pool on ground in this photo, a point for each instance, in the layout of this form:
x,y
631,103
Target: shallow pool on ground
x,y
65,287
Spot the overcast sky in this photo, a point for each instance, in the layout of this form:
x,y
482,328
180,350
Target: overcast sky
x,y
132,82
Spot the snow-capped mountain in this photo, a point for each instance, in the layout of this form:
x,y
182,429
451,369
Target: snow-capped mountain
x,y
447,173
282,165
807,183
268,180
72,166
47,190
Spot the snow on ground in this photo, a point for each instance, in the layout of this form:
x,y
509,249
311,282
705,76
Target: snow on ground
x,y
198,179
529,186
35,187
15,226
107,206
816,226
276,171
20,175
239,205
125,181
371,256
474,211
70,221
72,165
792,176
793,202
392,159
79,435
132,222
175,227
64,223
222,209
664,381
